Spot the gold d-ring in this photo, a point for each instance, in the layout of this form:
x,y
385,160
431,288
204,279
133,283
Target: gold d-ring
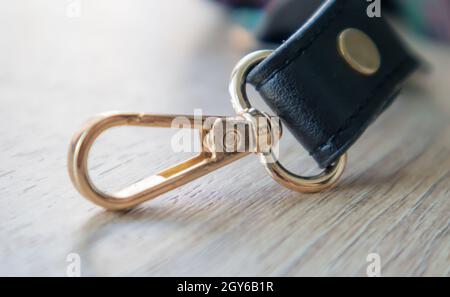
x,y
279,173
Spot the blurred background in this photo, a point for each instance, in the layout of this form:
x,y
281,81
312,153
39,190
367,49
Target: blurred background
x,y
62,61
280,17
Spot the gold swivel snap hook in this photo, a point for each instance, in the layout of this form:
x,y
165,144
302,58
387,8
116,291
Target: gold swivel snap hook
x,y
223,141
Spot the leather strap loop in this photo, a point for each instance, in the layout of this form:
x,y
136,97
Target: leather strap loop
x,y
324,102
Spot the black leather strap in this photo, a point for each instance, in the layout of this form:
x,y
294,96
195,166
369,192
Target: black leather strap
x,y
324,102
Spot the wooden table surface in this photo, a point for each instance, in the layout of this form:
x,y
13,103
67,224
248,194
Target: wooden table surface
x,y
58,68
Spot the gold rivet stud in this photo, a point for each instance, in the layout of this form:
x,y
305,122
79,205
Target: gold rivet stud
x,y
359,51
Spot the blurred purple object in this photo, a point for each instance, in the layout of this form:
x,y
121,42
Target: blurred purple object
x,y
437,13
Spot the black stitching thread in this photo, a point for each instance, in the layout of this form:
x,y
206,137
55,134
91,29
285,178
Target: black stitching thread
x,y
360,108
302,50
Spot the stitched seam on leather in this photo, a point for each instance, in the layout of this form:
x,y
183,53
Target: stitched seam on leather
x,y
360,108
302,50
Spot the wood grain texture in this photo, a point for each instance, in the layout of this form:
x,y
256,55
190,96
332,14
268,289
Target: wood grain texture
x,y
172,57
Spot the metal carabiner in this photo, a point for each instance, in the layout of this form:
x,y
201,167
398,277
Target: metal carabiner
x,y
216,152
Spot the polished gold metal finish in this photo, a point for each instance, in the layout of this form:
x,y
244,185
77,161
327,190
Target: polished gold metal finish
x,y
211,157
279,173
222,142
359,51
314,184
